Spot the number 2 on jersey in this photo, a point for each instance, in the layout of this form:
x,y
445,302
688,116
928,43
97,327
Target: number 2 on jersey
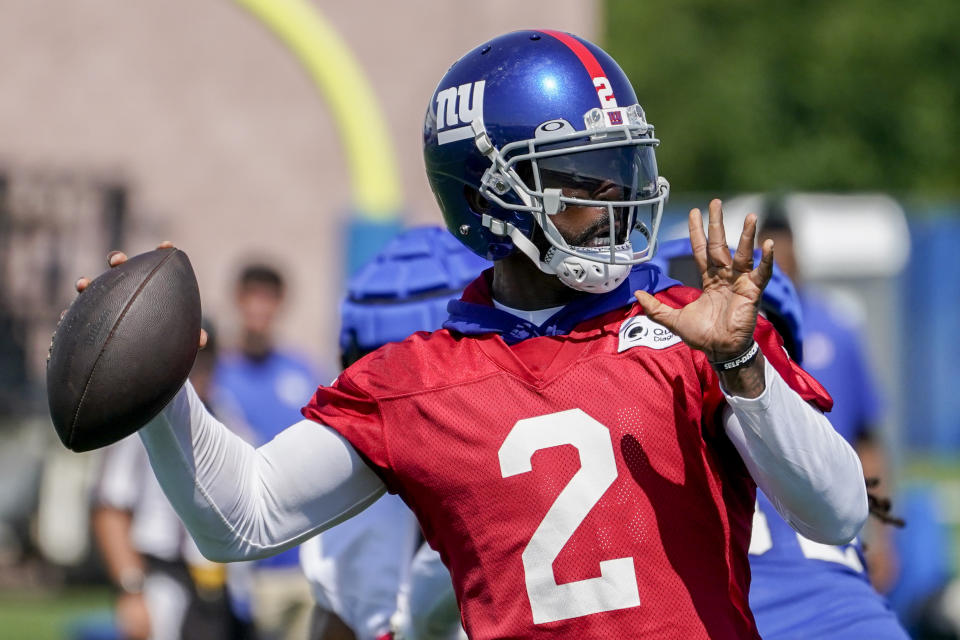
x,y
616,588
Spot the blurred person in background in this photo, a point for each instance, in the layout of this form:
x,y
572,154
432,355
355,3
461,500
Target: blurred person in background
x,y
165,589
263,387
357,568
835,356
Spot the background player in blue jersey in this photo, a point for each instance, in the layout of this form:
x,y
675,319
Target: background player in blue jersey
x,y
799,588
260,386
836,357
357,568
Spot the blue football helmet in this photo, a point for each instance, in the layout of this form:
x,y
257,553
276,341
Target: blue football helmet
x,y
528,124
403,289
780,302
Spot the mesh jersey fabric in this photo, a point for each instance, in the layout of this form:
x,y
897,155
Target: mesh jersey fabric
x,y
434,414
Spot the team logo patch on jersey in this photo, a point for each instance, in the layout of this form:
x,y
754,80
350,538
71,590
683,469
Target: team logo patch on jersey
x,y
641,331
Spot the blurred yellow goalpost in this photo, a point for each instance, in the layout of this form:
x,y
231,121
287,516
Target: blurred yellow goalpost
x,y
377,197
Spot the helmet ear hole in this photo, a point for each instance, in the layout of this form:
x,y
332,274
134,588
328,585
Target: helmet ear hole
x,y
475,201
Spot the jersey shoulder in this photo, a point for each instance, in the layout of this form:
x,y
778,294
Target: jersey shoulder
x,y
612,321
423,361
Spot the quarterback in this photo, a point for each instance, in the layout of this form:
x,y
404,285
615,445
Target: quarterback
x,y
798,588
582,440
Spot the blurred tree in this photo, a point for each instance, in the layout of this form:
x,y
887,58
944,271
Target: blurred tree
x,y
797,94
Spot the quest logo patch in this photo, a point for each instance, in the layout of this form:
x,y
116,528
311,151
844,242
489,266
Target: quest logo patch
x,y
641,331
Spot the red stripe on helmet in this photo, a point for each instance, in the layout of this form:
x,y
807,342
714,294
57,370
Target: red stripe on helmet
x,y
583,54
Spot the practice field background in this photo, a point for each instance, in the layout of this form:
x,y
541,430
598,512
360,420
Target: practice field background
x,y
126,123
51,615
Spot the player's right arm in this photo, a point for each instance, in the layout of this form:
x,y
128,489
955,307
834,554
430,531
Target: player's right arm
x,y
241,502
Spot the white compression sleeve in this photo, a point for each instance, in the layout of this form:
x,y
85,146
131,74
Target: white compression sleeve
x,y
241,503
809,472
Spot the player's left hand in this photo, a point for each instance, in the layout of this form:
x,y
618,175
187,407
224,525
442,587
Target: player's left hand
x,y
721,321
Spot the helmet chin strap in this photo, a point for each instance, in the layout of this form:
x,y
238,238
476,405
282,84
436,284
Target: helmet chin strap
x,y
587,275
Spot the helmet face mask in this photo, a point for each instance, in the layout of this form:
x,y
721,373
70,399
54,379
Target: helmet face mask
x,y
539,159
610,168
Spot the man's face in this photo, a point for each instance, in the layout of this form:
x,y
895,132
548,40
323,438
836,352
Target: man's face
x,y
258,304
603,175
584,226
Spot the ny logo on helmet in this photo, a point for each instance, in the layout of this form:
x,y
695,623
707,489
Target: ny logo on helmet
x,y
458,107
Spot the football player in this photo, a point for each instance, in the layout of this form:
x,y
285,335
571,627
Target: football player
x,y
799,588
357,568
584,461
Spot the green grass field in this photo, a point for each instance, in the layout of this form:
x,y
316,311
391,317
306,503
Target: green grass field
x,y
50,615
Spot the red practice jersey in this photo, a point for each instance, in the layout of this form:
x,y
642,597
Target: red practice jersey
x,y
576,486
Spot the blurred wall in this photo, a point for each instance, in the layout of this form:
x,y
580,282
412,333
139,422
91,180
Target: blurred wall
x,y
229,149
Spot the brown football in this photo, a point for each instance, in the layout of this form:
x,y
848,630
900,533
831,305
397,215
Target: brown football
x,y
123,349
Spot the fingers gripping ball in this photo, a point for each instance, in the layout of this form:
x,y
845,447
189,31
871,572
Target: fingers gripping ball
x,y
123,349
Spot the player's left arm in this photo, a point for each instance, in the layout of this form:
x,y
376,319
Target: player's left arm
x,y
795,456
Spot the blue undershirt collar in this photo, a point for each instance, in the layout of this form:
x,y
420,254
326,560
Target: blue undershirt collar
x,y
476,318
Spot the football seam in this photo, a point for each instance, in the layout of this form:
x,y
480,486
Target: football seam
x,y
96,363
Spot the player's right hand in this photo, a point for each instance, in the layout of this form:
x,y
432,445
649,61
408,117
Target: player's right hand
x,y
115,259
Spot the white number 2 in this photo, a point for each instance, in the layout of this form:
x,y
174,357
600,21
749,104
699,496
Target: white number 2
x,y
761,541
616,588
604,92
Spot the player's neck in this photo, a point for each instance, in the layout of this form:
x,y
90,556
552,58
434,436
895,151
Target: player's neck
x,y
518,283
